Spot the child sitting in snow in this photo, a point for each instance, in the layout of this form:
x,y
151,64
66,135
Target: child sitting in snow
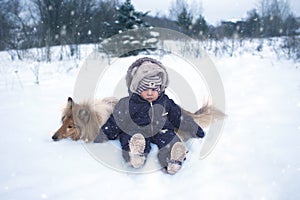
x,y
147,116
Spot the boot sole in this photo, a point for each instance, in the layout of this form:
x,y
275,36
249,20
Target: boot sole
x,y
178,153
137,145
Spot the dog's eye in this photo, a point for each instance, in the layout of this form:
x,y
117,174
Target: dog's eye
x,y
70,126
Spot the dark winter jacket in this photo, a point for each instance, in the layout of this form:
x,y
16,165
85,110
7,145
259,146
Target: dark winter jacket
x,y
133,115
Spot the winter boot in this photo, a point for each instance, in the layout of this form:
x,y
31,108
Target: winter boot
x,y
177,156
137,145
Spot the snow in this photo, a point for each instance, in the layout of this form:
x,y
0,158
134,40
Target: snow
x,y
257,156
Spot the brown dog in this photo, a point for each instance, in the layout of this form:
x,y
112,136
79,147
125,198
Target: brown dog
x,y
82,121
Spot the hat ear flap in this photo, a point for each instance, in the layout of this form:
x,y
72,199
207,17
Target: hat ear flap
x,y
130,75
133,71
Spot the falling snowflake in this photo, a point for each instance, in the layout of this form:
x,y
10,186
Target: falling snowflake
x,y
261,29
44,196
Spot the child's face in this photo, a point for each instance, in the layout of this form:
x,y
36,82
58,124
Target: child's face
x,y
149,95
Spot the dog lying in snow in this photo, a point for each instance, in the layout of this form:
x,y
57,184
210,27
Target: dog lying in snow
x,y
81,121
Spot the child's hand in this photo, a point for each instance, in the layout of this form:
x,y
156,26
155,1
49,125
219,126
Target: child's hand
x,y
200,133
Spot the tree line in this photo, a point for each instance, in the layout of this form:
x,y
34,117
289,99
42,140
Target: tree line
x,y
45,23
272,18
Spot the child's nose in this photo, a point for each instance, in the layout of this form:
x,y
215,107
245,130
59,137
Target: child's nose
x,y
149,92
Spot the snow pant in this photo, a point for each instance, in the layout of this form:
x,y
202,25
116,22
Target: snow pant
x,y
164,141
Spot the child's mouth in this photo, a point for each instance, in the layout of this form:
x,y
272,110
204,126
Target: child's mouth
x,y
149,99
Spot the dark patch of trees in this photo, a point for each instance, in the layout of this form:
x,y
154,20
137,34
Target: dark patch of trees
x,y
45,23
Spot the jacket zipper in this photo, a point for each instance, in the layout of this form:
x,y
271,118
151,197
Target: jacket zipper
x,y
152,116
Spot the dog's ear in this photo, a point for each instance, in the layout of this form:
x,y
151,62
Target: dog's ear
x,y
84,115
70,102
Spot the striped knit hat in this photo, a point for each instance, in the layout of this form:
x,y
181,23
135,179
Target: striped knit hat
x,y
146,67
149,82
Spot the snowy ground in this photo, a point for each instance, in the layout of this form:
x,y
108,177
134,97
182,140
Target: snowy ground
x,y
257,156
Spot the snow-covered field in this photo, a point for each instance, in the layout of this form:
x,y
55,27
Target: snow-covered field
x,y
257,156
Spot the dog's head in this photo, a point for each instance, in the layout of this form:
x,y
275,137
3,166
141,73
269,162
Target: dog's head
x,y
69,127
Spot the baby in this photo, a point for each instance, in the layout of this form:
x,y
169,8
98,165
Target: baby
x,y
147,116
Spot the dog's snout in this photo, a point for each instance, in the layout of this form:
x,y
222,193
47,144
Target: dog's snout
x,y
54,137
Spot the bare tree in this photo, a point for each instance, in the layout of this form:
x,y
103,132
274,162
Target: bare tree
x,y
193,8
182,14
64,22
5,24
177,6
14,33
279,8
273,14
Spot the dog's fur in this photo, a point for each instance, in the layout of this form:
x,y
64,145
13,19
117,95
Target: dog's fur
x,y
82,121
204,117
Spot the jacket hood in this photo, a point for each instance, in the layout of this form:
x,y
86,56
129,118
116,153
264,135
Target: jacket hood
x,y
145,67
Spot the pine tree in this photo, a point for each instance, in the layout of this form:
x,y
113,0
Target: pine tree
x,y
291,25
200,28
127,18
131,42
185,21
253,24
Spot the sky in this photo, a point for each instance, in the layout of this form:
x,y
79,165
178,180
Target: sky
x,y
213,10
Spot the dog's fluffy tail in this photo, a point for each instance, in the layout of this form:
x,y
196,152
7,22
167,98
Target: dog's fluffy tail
x,y
206,115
